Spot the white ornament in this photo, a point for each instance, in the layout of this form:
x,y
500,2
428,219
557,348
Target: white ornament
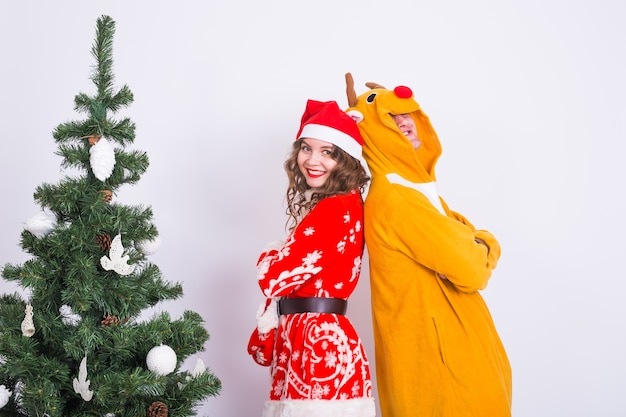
x,y
41,223
68,317
161,360
198,370
116,260
148,247
18,394
5,394
28,327
81,384
102,159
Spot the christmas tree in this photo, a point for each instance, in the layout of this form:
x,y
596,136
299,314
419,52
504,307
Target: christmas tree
x,y
74,343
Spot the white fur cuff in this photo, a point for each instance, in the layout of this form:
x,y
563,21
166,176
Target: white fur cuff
x,y
267,318
273,245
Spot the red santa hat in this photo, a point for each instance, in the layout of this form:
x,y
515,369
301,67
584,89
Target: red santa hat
x,y
326,121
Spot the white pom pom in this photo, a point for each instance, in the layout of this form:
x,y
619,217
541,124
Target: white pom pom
x,y
161,360
148,247
41,223
102,159
5,394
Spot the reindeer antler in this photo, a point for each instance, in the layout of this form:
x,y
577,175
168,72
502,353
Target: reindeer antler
x,y
374,85
350,90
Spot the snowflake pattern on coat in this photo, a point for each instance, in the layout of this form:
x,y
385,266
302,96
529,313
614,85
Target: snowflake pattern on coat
x,y
318,356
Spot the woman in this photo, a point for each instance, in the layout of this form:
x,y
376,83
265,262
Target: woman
x,y
318,364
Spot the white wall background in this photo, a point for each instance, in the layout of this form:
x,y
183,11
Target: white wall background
x,y
528,98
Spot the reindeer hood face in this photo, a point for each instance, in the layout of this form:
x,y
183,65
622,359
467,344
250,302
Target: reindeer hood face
x,y
386,150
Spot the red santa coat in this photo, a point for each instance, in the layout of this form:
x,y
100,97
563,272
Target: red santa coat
x,y
319,367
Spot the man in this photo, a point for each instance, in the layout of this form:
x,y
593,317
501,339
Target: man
x,y
437,350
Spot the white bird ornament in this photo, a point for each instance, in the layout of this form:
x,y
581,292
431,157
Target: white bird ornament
x,y
81,384
116,260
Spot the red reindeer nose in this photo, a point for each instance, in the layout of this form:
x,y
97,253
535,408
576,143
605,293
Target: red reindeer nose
x,y
403,92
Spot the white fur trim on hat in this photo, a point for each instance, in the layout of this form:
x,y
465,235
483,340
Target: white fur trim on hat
x,y
356,407
334,136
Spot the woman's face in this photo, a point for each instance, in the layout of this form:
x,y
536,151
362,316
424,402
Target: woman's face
x,y
315,161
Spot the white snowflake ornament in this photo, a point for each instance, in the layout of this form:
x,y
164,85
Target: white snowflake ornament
x,y
116,260
161,360
102,159
81,384
5,394
41,223
149,247
28,327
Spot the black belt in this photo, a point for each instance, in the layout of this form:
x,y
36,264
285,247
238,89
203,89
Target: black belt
x,y
312,305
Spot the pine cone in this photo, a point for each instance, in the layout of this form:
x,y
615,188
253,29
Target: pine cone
x,y
104,240
107,196
157,409
109,320
93,139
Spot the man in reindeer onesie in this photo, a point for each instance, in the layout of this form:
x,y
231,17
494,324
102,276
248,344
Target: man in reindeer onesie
x,y
437,349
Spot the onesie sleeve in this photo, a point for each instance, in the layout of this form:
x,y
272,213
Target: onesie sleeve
x,y
493,253
311,247
445,244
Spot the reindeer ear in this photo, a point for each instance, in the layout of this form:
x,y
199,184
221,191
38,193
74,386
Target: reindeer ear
x,y
374,85
356,115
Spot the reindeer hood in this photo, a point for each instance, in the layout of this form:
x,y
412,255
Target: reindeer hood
x,y
386,149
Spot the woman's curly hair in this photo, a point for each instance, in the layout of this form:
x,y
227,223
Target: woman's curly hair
x,y
347,176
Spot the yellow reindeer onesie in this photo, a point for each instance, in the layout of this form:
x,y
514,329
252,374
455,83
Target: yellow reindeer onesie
x,y
437,349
